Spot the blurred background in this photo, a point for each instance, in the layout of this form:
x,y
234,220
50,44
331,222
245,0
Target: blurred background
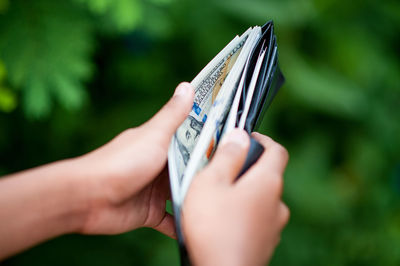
x,y
75,73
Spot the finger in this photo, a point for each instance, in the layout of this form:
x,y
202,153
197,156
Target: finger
x,y
266,175
174,112
263,139
230,156
275,156
163,184
284,214
167,226
283,218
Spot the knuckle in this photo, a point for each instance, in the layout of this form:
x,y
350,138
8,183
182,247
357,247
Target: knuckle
x,y
229,158
281,151
276,184
231,152
217,172
171,105
228,155
285,214
128,134
266,138
184,83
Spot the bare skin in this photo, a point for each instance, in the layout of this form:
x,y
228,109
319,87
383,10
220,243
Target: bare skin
x,y
123,185
237,222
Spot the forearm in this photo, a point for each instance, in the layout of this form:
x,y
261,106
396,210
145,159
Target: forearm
x,y
39,204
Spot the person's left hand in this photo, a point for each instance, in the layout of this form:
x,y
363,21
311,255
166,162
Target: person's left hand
x,y
125,182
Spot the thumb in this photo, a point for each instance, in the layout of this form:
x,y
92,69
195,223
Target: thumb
x,y
173,113
230,156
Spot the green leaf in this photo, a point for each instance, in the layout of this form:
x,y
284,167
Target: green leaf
x,y
36,100
71,95
46,45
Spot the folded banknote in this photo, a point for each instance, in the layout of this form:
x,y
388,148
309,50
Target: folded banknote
x,y
233,90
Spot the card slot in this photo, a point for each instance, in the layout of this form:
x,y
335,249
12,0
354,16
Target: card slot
x,y
276,81
258,103
268,38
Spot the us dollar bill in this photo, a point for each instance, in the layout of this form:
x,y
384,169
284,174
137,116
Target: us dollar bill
x,y
222,105
206,91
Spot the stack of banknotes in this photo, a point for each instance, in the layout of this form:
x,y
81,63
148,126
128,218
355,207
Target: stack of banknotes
x,y
233,90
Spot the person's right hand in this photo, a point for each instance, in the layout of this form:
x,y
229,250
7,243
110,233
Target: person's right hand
x,y
228,222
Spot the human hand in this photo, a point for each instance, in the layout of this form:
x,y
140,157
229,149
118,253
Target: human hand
x,y
120,186
228,222
125,181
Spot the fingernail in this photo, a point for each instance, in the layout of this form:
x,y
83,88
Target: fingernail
x,y
237,137
183,89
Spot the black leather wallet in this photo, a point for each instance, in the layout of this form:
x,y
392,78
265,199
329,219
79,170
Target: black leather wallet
x,y
269,80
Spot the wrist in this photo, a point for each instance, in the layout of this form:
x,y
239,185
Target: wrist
x,y
44,202
71,195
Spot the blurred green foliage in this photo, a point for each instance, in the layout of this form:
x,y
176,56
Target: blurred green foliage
x,y
74,73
